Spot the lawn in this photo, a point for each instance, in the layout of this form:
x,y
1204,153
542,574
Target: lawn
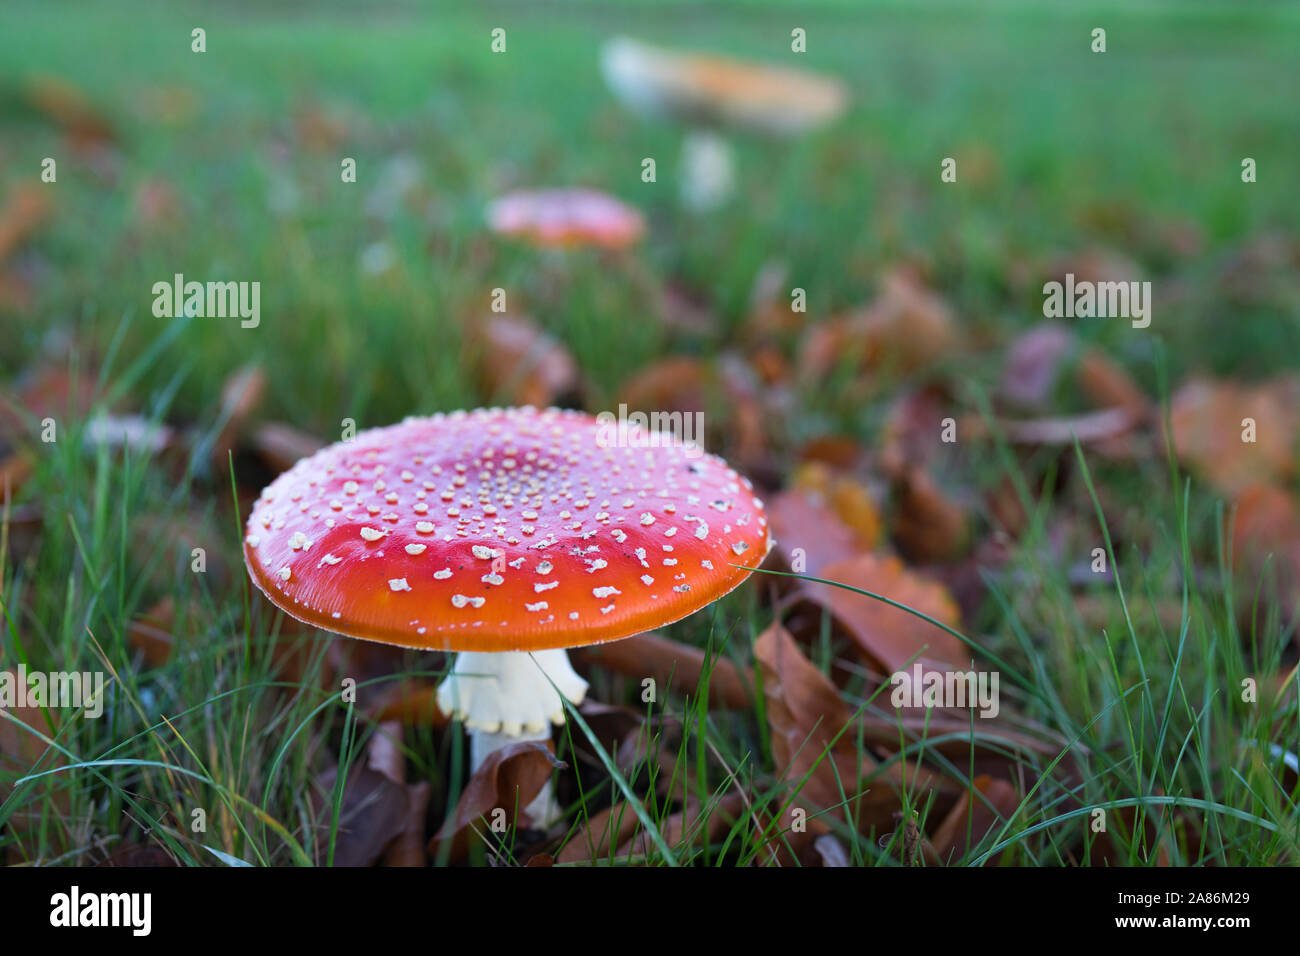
x,y
224,736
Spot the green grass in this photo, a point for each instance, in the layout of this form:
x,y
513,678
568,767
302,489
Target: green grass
x,y
1156,129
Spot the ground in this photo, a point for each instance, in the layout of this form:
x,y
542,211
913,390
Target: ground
x,y
374,298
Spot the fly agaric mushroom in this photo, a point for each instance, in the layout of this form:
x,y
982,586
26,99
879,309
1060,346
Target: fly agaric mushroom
x,y
566,218
714,94
507,535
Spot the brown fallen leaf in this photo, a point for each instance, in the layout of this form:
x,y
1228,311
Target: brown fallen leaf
x,y
837,451
1006,507
17,291
910,324
173,539
319,126
611,827
980,163
412,702
1038,359
28,833
1090,427
805,714
906,326
928,525
1096,265
47,391
521,364
1249,272
849,498
628,737
688,827
667,661
384,755
1132,222
825,345
684,310
1214,421
26,207
808,534
1107,385
1104,611
15,469
913,430
69,108
727,394
373,813
507,781
1001,738
967,577
745,416
150,634
1266,545
157,205
166,105
1033,365
21,526
281,446
653,748
679,383
890,637
134,855
771,315
241,396
384,752
772,366
973,816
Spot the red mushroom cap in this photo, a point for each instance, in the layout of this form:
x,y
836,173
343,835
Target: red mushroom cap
x,y
503,530
566,217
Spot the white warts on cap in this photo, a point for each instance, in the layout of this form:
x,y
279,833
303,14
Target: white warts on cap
x,y
505,482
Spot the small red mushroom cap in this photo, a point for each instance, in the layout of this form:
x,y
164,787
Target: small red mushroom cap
x,y
503,530
566,217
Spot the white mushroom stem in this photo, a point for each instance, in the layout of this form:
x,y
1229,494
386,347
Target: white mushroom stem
x,y
508,697
708,171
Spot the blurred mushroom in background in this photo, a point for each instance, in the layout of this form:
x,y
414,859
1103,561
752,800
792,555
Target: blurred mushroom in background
x,y
713,96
